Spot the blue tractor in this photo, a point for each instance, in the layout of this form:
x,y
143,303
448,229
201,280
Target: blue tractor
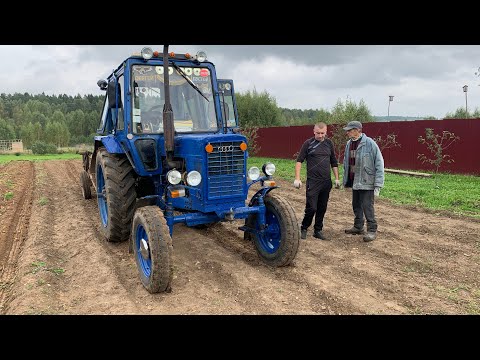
x,y
169,150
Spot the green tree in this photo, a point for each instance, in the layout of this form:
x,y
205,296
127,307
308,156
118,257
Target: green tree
x,y
476,113
257,109
57,133
341,114
31,133
460,113
7,131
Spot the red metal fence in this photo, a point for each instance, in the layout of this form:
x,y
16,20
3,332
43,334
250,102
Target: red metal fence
x,y
285,142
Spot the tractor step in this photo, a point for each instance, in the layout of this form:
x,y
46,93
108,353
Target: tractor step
x,y
246,228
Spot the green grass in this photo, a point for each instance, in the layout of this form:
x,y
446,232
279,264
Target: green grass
x,y
458,194
31,157
8,195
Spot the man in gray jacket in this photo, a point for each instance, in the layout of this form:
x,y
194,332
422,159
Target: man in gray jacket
x,y
363,171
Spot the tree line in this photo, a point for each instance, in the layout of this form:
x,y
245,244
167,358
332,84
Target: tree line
x,y
64,120
61,120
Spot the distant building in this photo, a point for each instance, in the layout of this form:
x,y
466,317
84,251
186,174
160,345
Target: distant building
x,y
11,146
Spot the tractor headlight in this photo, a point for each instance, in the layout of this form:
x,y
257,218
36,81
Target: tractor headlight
x,y
201,56
254,173
194,178
147,53
174,177
268,169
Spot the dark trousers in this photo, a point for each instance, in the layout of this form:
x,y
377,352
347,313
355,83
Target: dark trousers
x,y
363,205
318,193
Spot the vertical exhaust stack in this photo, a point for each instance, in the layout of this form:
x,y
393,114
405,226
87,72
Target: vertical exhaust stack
x,y
168,129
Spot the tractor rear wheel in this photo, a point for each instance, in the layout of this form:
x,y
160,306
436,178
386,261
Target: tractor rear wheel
x,y
278,245
86,185
116,195
152,246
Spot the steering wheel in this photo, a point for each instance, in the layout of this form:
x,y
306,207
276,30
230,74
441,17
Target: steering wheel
x,y
154,118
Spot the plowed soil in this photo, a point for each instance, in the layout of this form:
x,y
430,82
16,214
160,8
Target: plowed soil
x,y
53,259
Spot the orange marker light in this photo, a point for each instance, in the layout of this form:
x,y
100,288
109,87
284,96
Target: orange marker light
x,y
188,56
243,146
172,54
177,193
209,148
269,183
155,53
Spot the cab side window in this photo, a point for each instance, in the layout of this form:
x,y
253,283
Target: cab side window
x,y
121,121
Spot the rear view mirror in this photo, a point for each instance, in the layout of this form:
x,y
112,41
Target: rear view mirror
x,y
102,84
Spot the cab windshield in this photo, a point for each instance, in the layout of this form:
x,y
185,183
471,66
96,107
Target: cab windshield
x,y
191,111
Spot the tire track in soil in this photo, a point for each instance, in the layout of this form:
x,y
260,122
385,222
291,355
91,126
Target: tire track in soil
x,y
12,240
320,301
66,241
122,262
117,252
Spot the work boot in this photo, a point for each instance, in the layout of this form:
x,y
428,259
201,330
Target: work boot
x,y
370,236
303,234
354,231
319,235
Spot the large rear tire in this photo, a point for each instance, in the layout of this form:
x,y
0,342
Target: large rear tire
x,y
152,246
86,185
116,195
279,243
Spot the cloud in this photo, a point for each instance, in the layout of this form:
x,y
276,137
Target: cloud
x,y
425,80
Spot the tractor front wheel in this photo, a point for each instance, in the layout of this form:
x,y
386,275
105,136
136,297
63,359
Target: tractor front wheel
x,y
278,244
152,246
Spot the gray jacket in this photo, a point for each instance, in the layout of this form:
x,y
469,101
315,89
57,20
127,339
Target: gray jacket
x,y
369,170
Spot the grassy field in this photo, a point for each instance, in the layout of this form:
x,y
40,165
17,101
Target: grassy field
x,y
31,157
458,194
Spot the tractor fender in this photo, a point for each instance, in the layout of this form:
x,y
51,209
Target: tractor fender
x,y
261,193
111,144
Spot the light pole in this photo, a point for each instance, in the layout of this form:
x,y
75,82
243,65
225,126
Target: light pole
x,y
390,99
465,89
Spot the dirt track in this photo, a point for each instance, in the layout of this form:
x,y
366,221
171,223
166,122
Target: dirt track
x,y
54,261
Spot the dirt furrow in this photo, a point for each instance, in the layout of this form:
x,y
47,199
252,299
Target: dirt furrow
x,y
16,225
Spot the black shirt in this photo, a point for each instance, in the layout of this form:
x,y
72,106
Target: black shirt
x,y
320,157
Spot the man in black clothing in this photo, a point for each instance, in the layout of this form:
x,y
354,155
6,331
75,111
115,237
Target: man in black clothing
x,y
320,155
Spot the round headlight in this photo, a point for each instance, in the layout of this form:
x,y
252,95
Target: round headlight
x,y
268,169
147,53
254,173
201,56
194,178
174,177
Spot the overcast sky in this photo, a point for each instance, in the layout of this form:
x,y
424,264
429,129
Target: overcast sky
x,y
424,80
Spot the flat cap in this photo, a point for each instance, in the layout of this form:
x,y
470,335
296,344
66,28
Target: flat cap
x,y
353,125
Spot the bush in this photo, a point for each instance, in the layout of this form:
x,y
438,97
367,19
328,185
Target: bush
x,y
41,148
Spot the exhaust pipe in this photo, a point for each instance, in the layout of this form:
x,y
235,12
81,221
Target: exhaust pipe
x,y
168,128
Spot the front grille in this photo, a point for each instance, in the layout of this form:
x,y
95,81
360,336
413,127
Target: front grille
x,y
226,169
